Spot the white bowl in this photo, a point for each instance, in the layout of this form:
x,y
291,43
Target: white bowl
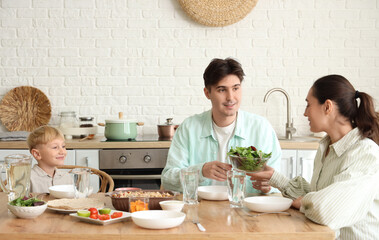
x,y
62,191
213,192
173,205
27,212
267,204
158,219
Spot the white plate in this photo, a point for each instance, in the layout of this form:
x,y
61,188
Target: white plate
x,y
158,219
267,204
213,192
102,222
61,210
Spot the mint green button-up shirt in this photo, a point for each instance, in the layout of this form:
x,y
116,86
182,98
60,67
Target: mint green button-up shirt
x,y
194,144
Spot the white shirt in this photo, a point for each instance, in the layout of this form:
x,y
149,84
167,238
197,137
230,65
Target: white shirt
x,y
222,135
344,190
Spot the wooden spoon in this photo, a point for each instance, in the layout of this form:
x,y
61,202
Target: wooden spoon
x,y
89,137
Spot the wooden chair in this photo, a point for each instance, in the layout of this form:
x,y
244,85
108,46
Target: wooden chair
x,y
105,179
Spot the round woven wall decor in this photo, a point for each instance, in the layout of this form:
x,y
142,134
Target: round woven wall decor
x,y
217,13
24,109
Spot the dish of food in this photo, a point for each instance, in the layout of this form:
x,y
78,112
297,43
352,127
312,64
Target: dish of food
x,y
120,199
72,205
248,159
102,222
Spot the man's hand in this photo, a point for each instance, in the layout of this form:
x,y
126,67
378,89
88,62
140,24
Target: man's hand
x,y
216,170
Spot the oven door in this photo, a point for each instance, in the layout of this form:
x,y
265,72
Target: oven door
x,y
140,178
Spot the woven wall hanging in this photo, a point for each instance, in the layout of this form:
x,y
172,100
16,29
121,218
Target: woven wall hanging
x,y
217,13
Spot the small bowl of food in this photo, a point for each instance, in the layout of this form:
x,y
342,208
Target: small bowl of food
x,y
267,204
248,159
173,205
27,207
62,191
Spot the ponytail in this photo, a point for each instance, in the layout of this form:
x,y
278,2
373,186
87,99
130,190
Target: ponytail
x,y
366,119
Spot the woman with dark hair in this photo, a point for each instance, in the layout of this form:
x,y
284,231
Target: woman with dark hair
x,y
343,192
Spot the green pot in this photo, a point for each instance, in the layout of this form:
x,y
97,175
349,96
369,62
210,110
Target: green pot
x,y
121,129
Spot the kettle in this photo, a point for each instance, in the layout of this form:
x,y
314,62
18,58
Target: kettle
x,y
167,130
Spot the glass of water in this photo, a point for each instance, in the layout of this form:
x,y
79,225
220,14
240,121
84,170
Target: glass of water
x,y
236,182
190,181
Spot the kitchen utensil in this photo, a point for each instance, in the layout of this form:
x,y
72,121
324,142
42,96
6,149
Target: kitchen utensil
x,y
24,109
213,192
167,130
121,129
89,137
17,168
199,226
267,204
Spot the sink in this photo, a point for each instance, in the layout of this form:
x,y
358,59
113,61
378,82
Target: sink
x,y
300,139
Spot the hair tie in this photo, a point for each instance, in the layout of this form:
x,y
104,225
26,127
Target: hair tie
x,y
357,95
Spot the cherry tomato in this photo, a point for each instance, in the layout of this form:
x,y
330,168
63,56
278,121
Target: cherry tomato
x,y
94,216
93,211
116,215
104,217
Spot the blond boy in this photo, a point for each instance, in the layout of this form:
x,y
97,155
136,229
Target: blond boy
x,y
47,145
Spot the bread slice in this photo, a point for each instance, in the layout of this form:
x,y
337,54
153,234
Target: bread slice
x,y
75,204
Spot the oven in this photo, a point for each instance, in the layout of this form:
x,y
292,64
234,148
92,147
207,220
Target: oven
x,y
140,168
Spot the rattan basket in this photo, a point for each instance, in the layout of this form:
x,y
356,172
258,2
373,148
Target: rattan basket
x,y
24,109
217,13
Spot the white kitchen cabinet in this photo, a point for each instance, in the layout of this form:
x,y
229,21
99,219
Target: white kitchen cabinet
x,y
298,163
89,158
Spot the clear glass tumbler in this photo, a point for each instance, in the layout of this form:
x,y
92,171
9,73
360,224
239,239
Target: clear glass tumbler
x,y
236,182
190,181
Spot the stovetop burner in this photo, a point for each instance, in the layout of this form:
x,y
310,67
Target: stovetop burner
x,y
142,138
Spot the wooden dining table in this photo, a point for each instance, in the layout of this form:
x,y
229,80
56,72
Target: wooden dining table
x,y
220,221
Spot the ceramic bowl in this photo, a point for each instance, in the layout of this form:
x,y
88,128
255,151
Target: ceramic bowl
x,y
158,219
249,165
213,192
27,212
267,204
62,191
173,205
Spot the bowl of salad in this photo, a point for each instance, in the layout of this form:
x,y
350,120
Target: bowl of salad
x,y
248,159
24,207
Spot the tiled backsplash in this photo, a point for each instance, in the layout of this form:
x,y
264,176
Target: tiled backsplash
x,y
146,58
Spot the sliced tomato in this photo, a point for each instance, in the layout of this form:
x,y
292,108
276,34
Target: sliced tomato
x,y
93,211
116,215
104,217
94,216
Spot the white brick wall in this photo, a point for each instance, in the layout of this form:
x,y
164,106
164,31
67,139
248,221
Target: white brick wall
x,y
146,58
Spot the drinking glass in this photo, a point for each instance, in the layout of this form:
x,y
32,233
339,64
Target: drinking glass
x,y
81,182
138,204
236,182
17,168
190,181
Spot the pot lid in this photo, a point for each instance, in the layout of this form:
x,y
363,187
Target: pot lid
x,y
168,122
121,121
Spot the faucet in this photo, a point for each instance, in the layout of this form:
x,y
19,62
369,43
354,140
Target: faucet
x,y
289,125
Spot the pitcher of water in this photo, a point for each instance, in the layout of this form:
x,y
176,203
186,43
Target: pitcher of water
x,y
17,169
82,182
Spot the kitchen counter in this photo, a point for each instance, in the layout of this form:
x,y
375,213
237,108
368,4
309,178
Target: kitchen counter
x,y
220,221
99,143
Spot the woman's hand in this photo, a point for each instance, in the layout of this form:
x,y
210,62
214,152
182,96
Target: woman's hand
x,y
297,202
260,179
216,170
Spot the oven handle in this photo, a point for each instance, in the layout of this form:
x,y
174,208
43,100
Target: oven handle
x,y
135,177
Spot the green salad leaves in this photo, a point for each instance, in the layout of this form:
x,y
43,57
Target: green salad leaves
x,y
248,158
26,202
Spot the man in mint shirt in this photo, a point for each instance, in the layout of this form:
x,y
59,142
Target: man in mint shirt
x,y
202,141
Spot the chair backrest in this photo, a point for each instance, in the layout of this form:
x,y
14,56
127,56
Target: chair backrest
x,y
105,179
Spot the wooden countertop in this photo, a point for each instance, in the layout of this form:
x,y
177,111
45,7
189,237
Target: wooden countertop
x,y
98,143
220,221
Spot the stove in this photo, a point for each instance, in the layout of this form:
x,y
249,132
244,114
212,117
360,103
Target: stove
x,y
140,168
